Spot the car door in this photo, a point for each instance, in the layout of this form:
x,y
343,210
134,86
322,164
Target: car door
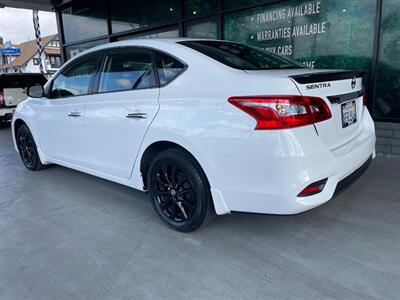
x,y
123,109
60,117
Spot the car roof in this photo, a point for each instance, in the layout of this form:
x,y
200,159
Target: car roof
x,y
139,40
144,42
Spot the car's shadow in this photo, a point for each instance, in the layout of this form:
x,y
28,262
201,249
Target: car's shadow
x,y
5,125
91,189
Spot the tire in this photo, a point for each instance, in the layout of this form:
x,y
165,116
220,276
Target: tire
x,y
28,150
179,190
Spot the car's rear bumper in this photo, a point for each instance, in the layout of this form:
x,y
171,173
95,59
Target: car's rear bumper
x,y
345,182
275,167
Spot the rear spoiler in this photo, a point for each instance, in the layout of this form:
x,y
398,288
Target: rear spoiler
x,y
326,76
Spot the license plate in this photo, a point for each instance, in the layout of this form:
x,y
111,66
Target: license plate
x,y
349,115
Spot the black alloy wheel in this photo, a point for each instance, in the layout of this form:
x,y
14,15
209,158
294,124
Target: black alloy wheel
x,y
27,149
174,192
179,190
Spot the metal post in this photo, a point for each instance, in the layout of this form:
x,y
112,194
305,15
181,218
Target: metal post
x,y
38,38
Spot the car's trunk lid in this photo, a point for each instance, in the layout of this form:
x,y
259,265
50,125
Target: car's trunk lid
x,y
343,92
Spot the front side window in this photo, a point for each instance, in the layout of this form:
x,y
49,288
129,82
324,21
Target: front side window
x,y
75,81
167,68
240,56
127,71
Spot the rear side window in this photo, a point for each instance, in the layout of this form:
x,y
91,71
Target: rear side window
x,y
168,68
75,81
128,70
240,56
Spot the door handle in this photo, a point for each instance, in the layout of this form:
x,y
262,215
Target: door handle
x,y
75,114
138,115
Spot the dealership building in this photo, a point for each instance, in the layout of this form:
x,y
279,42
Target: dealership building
x,y
329,34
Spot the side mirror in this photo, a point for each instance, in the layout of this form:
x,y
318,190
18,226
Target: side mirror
x,y
36,91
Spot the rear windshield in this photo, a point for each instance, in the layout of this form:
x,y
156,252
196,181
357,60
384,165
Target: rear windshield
x,y
242,57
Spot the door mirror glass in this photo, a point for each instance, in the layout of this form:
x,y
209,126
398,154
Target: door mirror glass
x,y
36,91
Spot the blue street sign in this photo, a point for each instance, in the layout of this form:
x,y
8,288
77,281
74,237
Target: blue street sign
x,y
10,51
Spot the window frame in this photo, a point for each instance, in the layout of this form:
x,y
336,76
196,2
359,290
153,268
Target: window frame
x,y
53,61
153,52
101,58
185,67
99,54
108,51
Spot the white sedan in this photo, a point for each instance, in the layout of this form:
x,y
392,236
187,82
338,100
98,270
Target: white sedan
x,y
202,125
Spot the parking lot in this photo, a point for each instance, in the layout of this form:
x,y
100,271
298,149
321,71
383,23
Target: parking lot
x,y
67,235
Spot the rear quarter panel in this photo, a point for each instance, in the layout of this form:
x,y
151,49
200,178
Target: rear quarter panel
x,y
194,113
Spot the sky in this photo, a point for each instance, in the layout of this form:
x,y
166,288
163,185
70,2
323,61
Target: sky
x,y
16,25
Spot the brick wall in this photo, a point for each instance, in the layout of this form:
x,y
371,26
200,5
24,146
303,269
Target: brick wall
x,y
388,139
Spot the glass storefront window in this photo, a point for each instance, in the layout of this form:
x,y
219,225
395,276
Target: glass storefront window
x,y
227,4
206,29
74,50
321,34
387,95
162,34
195,8
127,15
84,20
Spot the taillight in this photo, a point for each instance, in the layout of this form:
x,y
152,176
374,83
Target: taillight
x,y
280,112
313,188
2,100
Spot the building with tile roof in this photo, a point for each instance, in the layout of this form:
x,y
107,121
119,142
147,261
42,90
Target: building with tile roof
x,y
28,61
